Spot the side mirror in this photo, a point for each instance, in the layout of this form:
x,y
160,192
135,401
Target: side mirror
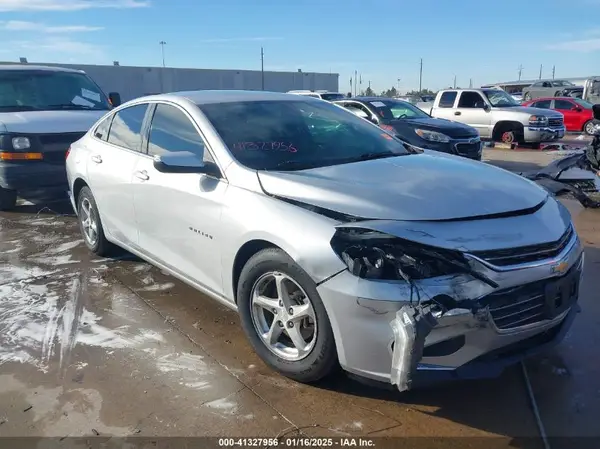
x,y
185,162
115,99
486,107
596,109
577,109
373,120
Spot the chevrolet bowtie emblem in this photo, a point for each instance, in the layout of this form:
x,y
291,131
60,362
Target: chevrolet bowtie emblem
x,y
559,268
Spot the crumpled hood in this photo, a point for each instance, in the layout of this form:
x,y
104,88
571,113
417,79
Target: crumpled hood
x,y
48,121
428,186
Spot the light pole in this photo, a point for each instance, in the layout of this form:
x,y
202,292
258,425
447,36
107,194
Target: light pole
x,y
398,91
162,47
262,68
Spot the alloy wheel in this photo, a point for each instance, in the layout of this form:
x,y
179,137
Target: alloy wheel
x,y
283,316
89,223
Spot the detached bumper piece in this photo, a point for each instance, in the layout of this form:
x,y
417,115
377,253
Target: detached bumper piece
x,y
411,327
554,176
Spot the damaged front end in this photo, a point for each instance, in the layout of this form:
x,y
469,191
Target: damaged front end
x,y
375,256
445,307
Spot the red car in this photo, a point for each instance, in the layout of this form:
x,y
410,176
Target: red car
x,y
578,113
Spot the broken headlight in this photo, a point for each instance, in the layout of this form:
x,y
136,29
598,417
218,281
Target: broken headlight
x,y
375,255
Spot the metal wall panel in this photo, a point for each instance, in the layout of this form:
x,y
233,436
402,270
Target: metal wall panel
x,y
132,82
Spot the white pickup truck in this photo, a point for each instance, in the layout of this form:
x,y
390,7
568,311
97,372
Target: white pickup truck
x,y
497,116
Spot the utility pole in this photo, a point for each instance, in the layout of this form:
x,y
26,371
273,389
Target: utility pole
x,y
421,76
520,69
162,47
355,81
470,83
399,85
553,71
262,68
455,81
541,66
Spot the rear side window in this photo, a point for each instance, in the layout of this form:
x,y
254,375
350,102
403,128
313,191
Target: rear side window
x,y
447,100
172,131
126,127
103,128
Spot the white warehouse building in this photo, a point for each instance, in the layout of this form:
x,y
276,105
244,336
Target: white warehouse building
x,y
132,82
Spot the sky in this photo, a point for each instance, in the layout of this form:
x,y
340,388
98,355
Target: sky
x,y
473,40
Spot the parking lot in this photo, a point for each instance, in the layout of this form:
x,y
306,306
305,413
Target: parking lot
x,y
94,346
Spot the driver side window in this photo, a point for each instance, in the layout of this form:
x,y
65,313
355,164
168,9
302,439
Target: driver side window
x,y
471,100
173,131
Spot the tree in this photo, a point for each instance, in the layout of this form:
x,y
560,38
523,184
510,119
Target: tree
x,y
422,92
390,93
369,92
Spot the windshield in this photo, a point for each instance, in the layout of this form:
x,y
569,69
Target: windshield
x,y
562,83
396,109
583,103
332,97
32,90
500,99
296,135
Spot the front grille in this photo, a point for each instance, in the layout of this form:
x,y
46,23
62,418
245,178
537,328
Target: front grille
x,y
526,304
555,122
525,254
468,149
61,139
55,146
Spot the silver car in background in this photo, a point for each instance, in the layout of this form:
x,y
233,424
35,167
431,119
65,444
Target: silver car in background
x,y
335,242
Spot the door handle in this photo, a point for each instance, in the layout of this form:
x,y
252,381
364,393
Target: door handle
x,y
457,113
143,175
97,159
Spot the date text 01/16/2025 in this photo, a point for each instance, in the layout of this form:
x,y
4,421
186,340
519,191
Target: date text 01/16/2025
x,y
296,442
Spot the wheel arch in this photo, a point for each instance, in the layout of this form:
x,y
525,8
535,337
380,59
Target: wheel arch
x,y
508,125
243,255
77,186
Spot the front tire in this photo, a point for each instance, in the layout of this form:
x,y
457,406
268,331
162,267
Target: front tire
x,y
527,96
589,127
8,199
91,225
284,318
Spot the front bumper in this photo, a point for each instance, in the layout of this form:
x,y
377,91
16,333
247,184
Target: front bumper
x,y
470,148
369,328
535,134
32,175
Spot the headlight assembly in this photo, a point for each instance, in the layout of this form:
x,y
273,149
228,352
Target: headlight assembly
x,y
432,136
538,120
374,255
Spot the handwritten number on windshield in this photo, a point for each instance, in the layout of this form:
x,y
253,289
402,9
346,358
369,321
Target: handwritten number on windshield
x,y
264,146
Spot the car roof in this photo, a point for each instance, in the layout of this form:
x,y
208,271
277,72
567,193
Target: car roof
x,y
37,67
229,96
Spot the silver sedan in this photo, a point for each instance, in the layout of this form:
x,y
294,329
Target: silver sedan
x,y
338,244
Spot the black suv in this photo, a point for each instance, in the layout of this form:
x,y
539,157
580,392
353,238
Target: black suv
x,y
414,126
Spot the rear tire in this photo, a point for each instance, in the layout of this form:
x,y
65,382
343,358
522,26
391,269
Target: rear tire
x,y
90,224
8,199
262,319
557,94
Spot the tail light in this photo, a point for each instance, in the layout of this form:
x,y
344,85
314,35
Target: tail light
x,y
68,152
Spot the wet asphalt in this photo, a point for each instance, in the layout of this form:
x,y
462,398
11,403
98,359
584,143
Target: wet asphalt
x,y
92,346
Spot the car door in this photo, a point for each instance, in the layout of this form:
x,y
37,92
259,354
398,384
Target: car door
x,y
178,214
567,108
116,147
471,111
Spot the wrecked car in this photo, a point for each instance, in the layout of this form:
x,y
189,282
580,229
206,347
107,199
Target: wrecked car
x,y
337,243
577,174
